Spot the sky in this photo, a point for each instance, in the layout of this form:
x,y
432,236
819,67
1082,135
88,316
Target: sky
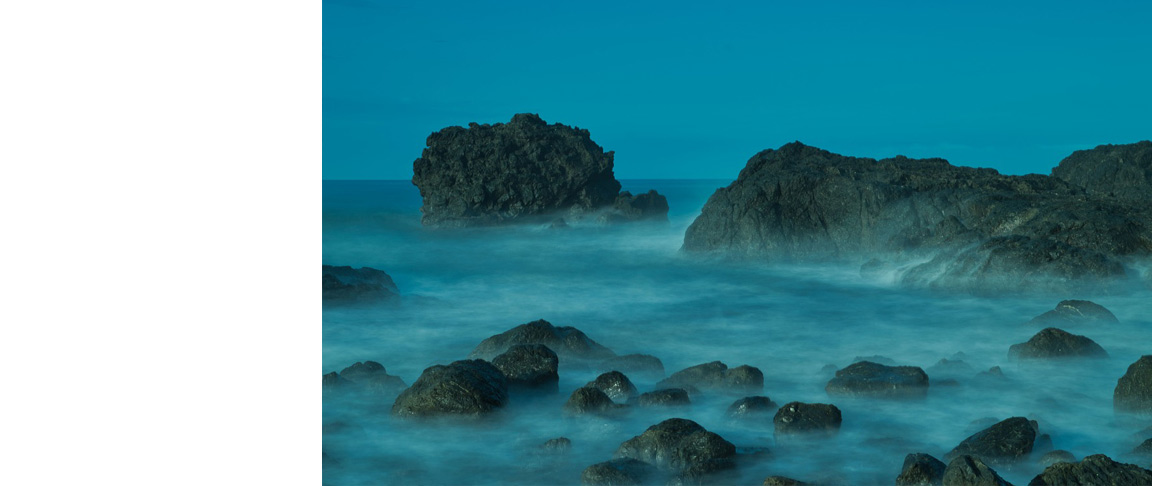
x,y
689,90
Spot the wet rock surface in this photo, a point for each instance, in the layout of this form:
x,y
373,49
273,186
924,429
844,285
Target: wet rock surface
x,y
567,342
522,171
616,385
345,286
1006,442
462,388
782,481
666,397
1075,312
716,376
921,470
868,379
971,471
618,472
748,407
1056,343
529,366
1112,171
796,418
1133,391
1092,470
586,400
680,446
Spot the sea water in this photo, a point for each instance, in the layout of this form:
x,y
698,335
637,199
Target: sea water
x,y
629,288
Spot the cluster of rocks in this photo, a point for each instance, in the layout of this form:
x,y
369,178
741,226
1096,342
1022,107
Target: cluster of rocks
x,y
363,286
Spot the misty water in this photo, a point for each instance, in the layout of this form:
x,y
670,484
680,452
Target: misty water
x,y
629,288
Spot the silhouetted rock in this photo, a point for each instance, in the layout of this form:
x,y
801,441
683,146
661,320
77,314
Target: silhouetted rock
x,y
1134,390
1092,470
1118,171
717,376
930,223
371,376
618,472
636,365
680,446
1056,343
522,171
529,366
333,380
1006,442
807,418
971,471
586,400
363,286
921,470
468,388
1075,312
567,342
1052,457
868,379
667,397
751,407
617,386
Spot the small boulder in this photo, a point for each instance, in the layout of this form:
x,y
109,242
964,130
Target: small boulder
x,y
587,400
807,418
618,387
565,341
1053,457
751,407
364,286
868,379
1134,390
638,365
371,376
1006,442
680,446
464,388
668,397
1097,469
1055,343
618,472
529,366
971,471
716,376
921,470
1075,312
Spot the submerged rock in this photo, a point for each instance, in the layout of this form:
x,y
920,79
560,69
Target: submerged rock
x,y
751,407
559,445
529,366
332,380
640,365
796,418
363,286
1006,442
868,379
587,400
1092,470
716,376
680,446
667,397
522,171
565,341
618,472
930,223
971,471
372,377
466,388
1074,312
617,386
1056,343
1134,390
921,470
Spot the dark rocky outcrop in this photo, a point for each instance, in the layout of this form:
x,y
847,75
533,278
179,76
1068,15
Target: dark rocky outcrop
x,y
1093,470
617,386
465,388
716,376
529,366
680,446
807,418
1052,457
921,470
1006,442
930,223
637,365
868,379
1134,390
667,397
971,471
371,376
751,407
363,286
586,400
567,342
522,171
1113,171
1056,343
332,381
618,472
1075,312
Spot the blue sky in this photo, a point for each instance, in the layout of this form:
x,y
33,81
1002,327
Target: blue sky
x,y
693,91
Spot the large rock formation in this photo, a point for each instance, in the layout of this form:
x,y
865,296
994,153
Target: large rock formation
x,y
525,170
1133,391
363,286
930,223
1093,470
464,388
1120,171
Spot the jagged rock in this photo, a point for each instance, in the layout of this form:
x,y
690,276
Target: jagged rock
x,y
372,377
567,342
716,376
333,380
971,471
529,366
1006,442
751,407
933,224
521,171
1092,470
638,365
1056,343
618,472
680,446
921,470
363,286
782,481
1134,390
586,400
667,397
467,388
1119,171
617,386
1075,312
869,379
807,418
1053,457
